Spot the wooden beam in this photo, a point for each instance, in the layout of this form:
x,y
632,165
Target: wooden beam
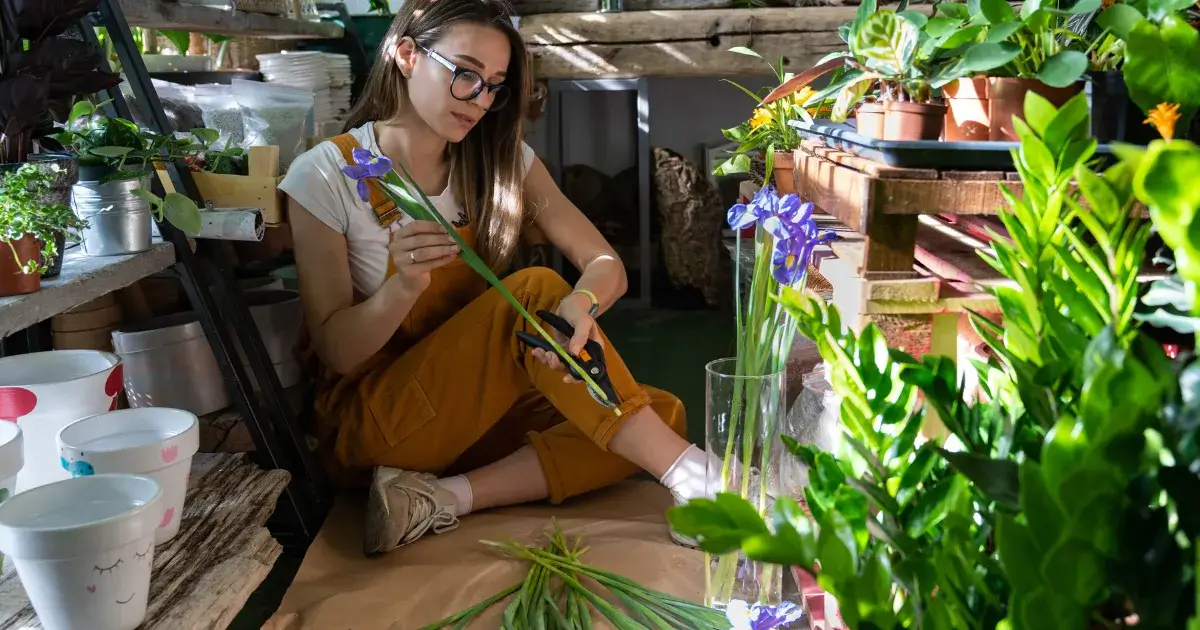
x,y
161,15
680,43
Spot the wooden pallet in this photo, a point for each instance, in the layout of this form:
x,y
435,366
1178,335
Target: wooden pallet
x,y
204,575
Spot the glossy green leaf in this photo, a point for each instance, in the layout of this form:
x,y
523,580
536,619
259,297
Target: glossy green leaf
x,y
1076,570
182,213
836,547
930,507
1000,33
997,11
953,10
1063,69
1019,553
110,152
885,43
997,479
1045,518
988,56
1160,65
742,50
1120,19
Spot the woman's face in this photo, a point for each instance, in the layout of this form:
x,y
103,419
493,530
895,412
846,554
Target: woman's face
x,y
481,50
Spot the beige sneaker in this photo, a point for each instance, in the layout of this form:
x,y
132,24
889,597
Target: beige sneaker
x,y
402,507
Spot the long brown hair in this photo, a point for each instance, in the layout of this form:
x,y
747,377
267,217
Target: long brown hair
x,y
488,173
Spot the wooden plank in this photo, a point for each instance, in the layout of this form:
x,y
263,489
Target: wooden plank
x,y
157,14
83,278
912,197
203,576
679,43
874,169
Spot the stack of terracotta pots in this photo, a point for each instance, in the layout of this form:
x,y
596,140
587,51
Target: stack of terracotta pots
x,y
982,108
977,109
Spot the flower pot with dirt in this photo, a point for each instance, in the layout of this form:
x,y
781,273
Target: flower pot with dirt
x,y
64,171
913,121
967,118
870,120
1115,117
784,172
1006,99
19,279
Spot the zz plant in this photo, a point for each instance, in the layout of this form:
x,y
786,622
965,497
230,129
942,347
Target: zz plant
x,y
1064,496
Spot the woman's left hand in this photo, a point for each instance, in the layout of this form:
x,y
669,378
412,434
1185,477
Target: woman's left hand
x,y
573,308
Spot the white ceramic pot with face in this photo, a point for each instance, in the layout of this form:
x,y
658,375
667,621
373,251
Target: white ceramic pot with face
x,y
83,549
157,442
45,391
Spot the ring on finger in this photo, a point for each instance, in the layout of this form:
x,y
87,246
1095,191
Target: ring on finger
x,y
413,257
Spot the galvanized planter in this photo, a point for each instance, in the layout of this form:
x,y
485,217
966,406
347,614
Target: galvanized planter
x,y
118,220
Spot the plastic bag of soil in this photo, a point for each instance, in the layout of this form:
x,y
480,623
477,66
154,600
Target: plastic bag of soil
x,y
274,115
221,112
177,101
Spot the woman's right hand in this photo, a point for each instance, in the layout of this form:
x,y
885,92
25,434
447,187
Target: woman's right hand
x,y
417,249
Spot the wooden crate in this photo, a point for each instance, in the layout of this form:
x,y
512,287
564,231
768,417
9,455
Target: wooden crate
x,y
258,189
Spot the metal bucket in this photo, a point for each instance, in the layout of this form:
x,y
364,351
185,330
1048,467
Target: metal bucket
x,y
118,220
168,363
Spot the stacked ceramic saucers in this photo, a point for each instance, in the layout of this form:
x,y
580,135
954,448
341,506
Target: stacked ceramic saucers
x,y
301,70
340,81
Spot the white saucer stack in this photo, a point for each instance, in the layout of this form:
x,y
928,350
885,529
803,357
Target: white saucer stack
x,y
340,82
305,70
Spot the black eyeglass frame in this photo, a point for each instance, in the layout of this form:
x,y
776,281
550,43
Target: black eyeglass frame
x,y
456,72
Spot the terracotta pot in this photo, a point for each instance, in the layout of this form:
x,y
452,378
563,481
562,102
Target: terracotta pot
x,y
913,121
1006,99
784,172
967,110
870,120
12,281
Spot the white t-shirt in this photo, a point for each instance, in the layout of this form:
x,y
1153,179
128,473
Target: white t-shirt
x,y
315,180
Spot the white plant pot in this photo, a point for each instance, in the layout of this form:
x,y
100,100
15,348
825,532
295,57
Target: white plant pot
x,y
154,441
11,460
44,392
83,549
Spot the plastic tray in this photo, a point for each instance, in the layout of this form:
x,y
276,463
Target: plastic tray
x,y
956,156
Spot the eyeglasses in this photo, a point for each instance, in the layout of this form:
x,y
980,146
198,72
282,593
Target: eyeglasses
x,y
467,85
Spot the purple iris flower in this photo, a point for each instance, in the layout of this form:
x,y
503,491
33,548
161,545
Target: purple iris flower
x,y
792,254
764,204
366,166
789,217
762,616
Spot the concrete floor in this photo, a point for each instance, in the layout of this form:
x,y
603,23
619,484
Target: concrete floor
x,y
667,349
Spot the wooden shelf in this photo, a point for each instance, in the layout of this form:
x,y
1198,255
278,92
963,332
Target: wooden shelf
x,y
161,15
680,43
83,278
203,577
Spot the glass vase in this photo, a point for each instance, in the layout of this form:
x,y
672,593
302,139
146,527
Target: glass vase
x,y
744,413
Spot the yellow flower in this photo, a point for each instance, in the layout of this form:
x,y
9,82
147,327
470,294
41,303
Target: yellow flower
x,y
803,95
1163,117
761,117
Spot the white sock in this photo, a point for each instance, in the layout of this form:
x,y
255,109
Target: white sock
x,y
461,489
687,477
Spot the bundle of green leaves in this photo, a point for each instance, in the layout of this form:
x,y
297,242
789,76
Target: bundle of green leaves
x,y
555,594
1062,499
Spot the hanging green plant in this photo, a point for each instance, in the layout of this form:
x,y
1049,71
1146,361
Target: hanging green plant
x,y
24,213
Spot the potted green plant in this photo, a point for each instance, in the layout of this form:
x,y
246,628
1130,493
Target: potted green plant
x,y
767,132
116,160
1063,498
1159,66
29,227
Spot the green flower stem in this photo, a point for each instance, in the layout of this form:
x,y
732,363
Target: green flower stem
x,y
460,619
397,189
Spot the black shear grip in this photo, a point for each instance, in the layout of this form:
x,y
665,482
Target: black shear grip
x,y
590,358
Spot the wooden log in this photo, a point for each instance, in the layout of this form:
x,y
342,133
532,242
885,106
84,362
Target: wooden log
x,y
223,551
680,43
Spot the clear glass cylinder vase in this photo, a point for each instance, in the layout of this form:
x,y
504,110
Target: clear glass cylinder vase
x,y
743,416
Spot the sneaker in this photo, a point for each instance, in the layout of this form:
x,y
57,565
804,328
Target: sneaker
x,y
402,507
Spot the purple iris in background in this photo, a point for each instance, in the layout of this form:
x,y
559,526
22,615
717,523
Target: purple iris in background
x,y
366,166
762,206
744,616
794,246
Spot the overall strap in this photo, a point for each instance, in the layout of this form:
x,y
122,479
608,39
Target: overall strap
x,y
385,210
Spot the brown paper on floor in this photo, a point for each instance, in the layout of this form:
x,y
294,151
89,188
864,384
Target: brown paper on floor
x,y
338,588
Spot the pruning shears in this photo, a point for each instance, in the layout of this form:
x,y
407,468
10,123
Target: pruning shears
x,y
590,359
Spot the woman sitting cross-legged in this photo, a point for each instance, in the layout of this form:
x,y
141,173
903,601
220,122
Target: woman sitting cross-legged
x,y
423,379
